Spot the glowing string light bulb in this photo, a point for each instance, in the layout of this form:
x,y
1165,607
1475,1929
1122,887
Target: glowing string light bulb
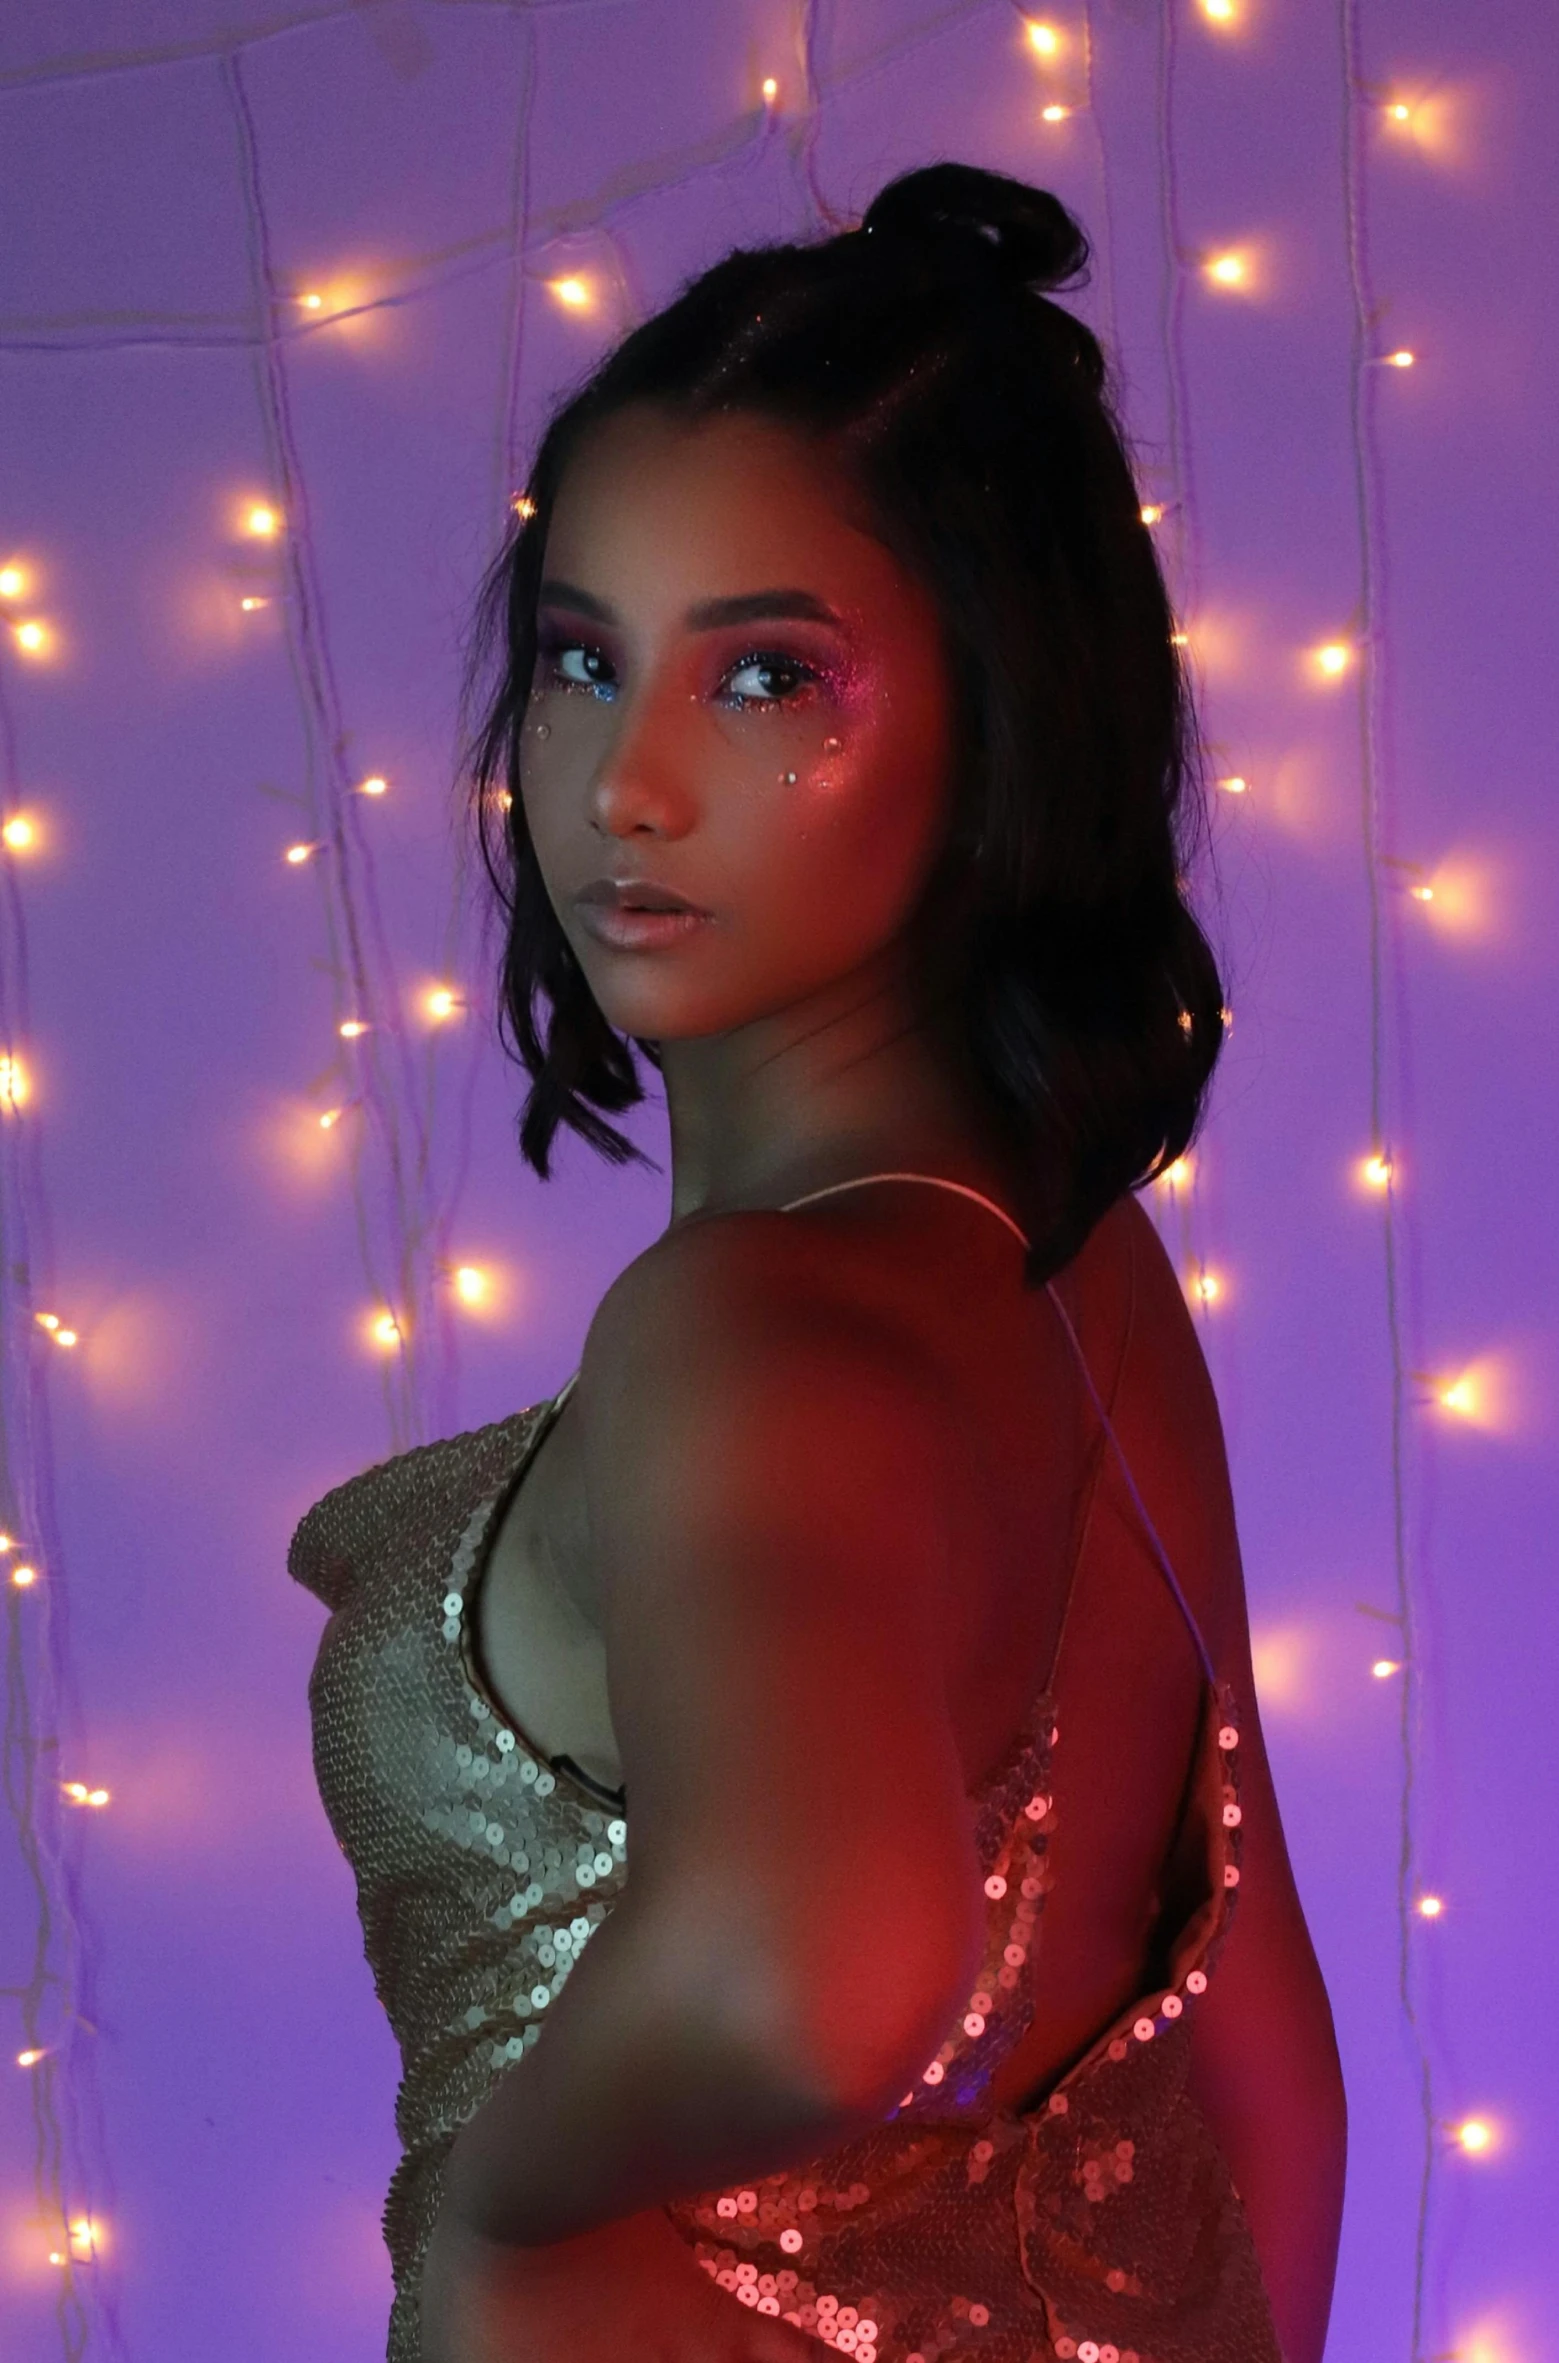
x,y
1474,2135
1207,1287
32,637
1333,658
1377,1171
1401,359
79,1794
523,506
770,90
1177,1174
1460,1396
15,1083
264,523
19,833
1430,1907
575,293
1054,114
13,582
1152,512
385,1332
471,1284
252,604
1227,270
1234,786
1385,1667
374,785
1044,40
30,2059
24,1577
298,854
441,1003
1218,12
351,1027
312,302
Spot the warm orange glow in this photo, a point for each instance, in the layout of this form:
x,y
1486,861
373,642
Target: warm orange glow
x,y
522,505
1206,1287
330,1118
1430,1907
1384,1668
384,1331
471,1284
1460,1395
47,1320
1234,786
24,1577
252,604
1218,12
29,2059
374,785
442,1002
20,834
312,303
770,90
1152,512
79,1794
1227,270
1333,658
1054,114
263,522
1177,1174
1401,359
297,854
351,1028
1044,40
573,292
15,1083
66,1337
1376,1172
33,638
13,582
1475,2135
7,1542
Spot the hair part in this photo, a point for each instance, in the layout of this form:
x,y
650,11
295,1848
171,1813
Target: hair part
x,y
1057,953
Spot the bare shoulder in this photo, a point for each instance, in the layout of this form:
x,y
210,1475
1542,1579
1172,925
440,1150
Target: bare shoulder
x,y
757,1304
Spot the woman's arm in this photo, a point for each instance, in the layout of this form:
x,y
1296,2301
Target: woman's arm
x,y
1265,2070
803,1912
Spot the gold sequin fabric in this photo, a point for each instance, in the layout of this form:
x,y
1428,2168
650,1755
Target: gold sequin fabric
x,y
1098,2223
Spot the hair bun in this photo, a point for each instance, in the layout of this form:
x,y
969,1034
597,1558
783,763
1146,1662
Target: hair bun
x,y
1026,230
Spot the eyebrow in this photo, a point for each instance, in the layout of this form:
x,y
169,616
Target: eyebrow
x,y
709,615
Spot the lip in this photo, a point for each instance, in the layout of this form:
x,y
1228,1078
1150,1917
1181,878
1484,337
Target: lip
x,y
638,931
643,894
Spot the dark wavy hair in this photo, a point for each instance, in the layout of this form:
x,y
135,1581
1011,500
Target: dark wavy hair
x,y
1055,947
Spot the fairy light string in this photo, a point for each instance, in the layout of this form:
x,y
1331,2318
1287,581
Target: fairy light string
x,y
406,1162
1366,487
48,2029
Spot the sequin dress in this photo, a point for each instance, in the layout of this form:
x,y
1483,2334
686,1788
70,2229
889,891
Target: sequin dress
x,y
1098,2223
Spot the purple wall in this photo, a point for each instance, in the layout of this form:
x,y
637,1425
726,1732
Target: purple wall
x,y
218,2081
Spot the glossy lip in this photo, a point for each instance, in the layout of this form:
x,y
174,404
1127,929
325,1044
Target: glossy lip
x,y
638,931
617,894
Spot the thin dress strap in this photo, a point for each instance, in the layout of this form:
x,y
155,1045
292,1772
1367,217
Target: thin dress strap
x,y
937,1181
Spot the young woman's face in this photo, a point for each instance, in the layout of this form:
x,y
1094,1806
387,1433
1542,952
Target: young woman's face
x,y
740,698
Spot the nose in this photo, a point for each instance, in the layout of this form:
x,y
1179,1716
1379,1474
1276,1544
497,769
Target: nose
x,y
642,782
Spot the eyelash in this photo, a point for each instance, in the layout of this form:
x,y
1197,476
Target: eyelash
x,y
549,650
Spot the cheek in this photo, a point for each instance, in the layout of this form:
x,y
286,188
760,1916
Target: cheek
x,y
860,834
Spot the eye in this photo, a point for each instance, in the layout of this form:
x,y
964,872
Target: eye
x,y
555,656
773,663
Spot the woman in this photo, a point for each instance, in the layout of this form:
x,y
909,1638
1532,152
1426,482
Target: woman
x,y
840,751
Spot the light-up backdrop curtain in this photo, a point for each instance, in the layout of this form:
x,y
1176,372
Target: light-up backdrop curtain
x,y
316,261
